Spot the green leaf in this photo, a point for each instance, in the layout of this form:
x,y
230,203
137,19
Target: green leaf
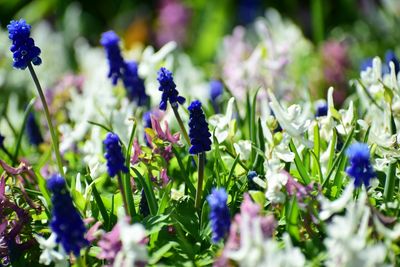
x,y
253,128
341,154
231,172
185,173
335,113
299,164
99,201
258,197
159,253
292,213
127,176
101,126
148,191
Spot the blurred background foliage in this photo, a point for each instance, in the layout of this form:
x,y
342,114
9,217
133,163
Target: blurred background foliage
x,y
206,22
344,32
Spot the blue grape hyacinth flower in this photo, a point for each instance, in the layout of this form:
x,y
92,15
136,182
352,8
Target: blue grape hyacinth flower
x,y
134,85
360,168
110,42
23,46
198,129
114,156
365,64
390,56
216,89
33,131
322,110
219,214
66,222
168,88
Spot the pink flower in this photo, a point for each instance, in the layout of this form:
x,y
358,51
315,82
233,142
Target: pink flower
x,y
137,151
164,177
164,135
172,22
93,232
252,210
110,245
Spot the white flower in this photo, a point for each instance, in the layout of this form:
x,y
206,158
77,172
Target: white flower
x,y
347,116
275,183
151,60
346,242
49,253
255,251
326,123
133,247
291,120
243,149
328,208
92,151
276,151
96,102
223,123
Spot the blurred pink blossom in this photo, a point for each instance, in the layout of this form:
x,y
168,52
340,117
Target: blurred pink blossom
x,y
173,20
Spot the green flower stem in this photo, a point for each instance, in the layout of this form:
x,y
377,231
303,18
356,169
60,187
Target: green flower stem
x,y
391,176
80,262
200,173
123,195
181,125
50,124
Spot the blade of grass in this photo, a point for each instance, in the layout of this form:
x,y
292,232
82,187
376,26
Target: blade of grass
x,y
185,176
299,164
99,202
232,171
21,132
148,190
127,176
101,126
341,154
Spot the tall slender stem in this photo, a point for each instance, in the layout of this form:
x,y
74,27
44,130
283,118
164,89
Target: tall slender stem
x,y
181,125
390,182
50,124
123,195
200,174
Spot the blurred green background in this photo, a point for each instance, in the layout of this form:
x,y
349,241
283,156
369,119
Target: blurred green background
x,y
343,33
205,21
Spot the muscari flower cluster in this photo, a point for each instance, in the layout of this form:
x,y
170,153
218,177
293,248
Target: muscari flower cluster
x,y
219,213
110,41
126,71
168,88
360,166
198,129
390,56
33,131
114,156
23,46
66,222
322,110
216,90
134,85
